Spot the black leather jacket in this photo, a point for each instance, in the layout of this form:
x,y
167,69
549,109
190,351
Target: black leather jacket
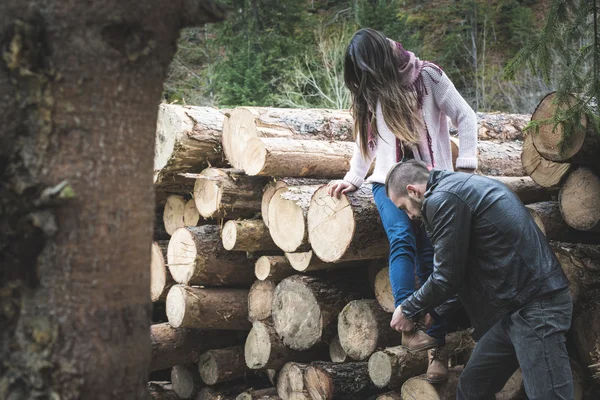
x,y
488,250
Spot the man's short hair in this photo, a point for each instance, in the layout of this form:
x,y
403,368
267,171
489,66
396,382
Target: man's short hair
x,y
403,174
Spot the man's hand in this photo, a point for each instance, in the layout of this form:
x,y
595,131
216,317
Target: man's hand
x,y
400,322
466,170
339,187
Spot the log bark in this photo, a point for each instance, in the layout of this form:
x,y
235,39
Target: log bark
x,y
500,159
251,122
383,290
173,213
260,394
161,391
227,193
187,140
327,380
274,268
549,219
222,365
526,189
180,346
302,158
185,381
181,184
363,327
196,256
391,367
260,300
249,235
290,384
581,264
305,308
418,388
544,172
189,307
581,146
191,216
336,351
265,349
579,200
499,127
348,228
160,277
307,261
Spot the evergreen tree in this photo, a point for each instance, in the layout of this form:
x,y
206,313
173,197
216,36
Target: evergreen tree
x,y
569,38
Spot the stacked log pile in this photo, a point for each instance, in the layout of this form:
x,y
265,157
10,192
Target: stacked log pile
x,y
274,290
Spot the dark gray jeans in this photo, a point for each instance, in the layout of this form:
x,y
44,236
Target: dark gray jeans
x,y
533,338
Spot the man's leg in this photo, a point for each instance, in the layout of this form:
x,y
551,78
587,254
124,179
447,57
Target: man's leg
x,y
491,365
538,335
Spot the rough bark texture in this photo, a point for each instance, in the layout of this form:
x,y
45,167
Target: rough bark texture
x,y
548,217
582,146
581,264
198,308
526,189
80,84
161,391
185,381
305,308
290,384
348,228
227,193
247,235
336,352
265,349
363,327
180,346
544,172
196,256
188,139
418,388
260,300
499,127
302,158
250,122
579,200
274,268
327,380
222,365
160,277
500,159
391,367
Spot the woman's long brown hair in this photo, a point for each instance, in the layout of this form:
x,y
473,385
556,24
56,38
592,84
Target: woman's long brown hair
x,y
372,73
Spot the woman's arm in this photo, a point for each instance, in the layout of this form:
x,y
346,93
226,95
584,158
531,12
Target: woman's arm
x,y
359,165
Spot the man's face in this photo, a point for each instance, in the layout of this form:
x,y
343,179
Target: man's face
x,y
412,206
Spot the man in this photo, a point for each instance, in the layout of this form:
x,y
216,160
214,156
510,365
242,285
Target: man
x,y
489,252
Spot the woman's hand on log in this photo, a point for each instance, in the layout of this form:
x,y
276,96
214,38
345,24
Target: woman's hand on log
x,y
339,187
400,323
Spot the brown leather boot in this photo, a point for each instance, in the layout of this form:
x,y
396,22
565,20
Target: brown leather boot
x,y
417,340
437,371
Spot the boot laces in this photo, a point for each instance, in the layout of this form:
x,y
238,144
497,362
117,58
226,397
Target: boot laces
x,y
420,326
436,355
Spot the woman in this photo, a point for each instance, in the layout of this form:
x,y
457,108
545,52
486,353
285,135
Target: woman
x,y
400,105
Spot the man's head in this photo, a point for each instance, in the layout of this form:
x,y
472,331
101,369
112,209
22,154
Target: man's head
x,y
406,184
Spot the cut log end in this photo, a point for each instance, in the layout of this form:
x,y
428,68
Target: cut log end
x,y
260,300
176,306
380,369
209,370
290,385
191,216
229,235
359,328
182,255
254,156
274,268
207,192
257,350
185,381
173,214
383,290
300,261
160,278
580,200
318,383
336,352
287,223
544,172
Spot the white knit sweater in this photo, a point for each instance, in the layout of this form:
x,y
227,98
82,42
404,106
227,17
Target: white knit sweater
x,y
441,100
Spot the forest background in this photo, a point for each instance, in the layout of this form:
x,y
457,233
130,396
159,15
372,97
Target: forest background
x,y
289,53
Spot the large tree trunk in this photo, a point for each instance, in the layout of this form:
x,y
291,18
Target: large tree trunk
x,y
290,384
363,327
196,257
180,346
302,158
305,308
391,367
246,123
544,172
187,140
160,277
265,349
199,308
348,228
227,193
222,365
580,200
581,146
80,85
327,380
250,235
548,217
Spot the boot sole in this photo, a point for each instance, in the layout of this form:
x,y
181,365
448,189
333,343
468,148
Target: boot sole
x,y
434,381
422,348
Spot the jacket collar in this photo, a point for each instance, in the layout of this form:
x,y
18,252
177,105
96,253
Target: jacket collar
x,y
434,177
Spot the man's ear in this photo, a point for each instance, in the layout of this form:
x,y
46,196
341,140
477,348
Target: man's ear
x,y
413,192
